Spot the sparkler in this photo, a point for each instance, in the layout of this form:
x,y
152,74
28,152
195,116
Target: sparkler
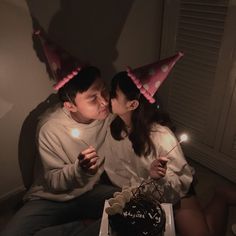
x,y
76,134
183,138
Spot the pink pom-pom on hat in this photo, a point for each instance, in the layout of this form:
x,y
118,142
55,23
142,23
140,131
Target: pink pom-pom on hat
x,y
148,78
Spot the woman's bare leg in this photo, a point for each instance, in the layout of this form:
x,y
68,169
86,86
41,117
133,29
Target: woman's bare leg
x,y
216,211
192,220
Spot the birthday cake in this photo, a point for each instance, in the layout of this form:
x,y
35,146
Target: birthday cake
x,y
135,213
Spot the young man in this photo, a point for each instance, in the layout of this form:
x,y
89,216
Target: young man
x,y
69,138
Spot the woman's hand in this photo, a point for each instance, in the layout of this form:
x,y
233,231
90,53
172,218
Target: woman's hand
x,y
158,168
88,161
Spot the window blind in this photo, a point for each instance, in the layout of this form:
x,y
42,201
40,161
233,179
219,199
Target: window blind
x,y
199,35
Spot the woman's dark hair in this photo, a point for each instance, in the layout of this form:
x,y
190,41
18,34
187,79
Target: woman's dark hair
x,y
143,117
80,83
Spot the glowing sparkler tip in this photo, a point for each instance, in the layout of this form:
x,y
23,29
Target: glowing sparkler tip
x,y
183,138
75,133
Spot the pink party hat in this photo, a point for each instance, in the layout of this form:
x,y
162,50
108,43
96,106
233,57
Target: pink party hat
x,y
148,78
63,67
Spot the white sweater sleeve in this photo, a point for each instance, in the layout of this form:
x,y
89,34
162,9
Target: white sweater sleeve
x,y
179,173
60,173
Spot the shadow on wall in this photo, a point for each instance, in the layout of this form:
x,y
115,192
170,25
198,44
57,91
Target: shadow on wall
x,y
27,150
89,30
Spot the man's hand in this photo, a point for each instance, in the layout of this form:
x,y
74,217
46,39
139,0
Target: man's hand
x,y
88,160
158,168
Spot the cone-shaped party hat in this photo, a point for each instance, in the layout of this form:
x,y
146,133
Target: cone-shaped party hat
x,y
148,78
63,67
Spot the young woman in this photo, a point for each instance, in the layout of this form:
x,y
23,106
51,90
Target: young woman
x,y
136,149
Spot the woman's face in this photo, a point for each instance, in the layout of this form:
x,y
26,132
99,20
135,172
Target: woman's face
x,y
119,103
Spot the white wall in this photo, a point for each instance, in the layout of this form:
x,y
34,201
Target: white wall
x,y
139,41
24,84
113,34
107,33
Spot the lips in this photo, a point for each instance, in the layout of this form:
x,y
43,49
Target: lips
x,y
105,110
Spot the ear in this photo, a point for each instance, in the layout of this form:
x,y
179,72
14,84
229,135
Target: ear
x,y
70,106
132,105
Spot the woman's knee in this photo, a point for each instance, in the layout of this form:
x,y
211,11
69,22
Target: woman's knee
x,y
190,219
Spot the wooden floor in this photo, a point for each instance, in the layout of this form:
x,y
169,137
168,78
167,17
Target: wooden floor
x,y
207,181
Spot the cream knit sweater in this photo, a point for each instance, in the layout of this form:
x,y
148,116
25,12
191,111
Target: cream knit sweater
x,y
125,168
59,176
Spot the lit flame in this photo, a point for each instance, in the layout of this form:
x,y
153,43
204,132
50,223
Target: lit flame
x,y
75,133
183,138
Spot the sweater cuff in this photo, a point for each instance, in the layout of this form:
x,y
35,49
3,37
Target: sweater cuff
x,y
79,172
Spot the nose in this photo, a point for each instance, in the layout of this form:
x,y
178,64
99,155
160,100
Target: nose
x,y
103,100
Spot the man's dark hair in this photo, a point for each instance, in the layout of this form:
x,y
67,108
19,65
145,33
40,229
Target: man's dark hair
x,y
80,83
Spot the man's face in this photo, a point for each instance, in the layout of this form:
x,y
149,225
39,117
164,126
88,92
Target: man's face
x,y
91,104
